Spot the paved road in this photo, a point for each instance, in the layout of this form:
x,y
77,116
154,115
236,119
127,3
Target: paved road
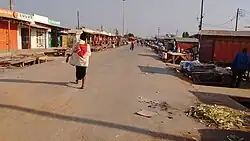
x,y
39,103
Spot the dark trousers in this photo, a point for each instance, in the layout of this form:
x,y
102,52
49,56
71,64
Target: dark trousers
x,y
237,77
132,48
80,72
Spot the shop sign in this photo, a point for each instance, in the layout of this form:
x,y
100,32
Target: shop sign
x,y
55,23
25,17
7,13
40,19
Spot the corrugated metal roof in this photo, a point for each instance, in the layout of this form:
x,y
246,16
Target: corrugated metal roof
x,y
75,31
179,39
39,26
187,40
225,33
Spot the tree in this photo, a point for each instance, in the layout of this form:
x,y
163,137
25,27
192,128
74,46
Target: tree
x,y
185,35
129,35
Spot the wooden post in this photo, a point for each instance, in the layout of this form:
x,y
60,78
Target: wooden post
x,y
29,44
9,35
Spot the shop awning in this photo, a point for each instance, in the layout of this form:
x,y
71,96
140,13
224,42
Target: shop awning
x,y
39,26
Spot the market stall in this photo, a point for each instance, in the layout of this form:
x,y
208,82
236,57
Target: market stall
x,y
176,58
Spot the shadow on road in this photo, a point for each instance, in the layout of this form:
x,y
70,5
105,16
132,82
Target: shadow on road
x,y
221,99
221,135
97,122
155,70
66,84
149,55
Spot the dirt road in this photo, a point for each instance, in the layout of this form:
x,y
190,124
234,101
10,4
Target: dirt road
x,y
39,103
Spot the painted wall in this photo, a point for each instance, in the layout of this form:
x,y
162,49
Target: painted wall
x,y
19,38
47,39
4,38
33,38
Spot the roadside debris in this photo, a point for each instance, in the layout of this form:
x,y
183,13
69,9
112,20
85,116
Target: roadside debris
x,y
169,117
234,138
145,73
162,106
146,113
219,116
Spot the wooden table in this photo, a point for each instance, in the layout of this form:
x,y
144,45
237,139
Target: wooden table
x,y
174,57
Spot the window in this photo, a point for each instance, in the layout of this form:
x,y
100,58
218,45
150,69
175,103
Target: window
x,y
40,38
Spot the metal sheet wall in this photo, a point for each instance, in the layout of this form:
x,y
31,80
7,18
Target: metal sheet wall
x,y
221,49
206,50
225,51
185,46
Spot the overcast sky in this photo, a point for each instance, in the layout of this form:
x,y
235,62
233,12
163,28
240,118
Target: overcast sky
x,y
142,17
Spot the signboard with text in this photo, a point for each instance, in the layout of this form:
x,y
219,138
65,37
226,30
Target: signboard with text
x,y
25,17
7,13
55,23
40,19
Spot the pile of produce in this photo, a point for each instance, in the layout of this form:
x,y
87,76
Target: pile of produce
x,y
220,116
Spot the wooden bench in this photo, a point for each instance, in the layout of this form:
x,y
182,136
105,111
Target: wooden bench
x,y
22,62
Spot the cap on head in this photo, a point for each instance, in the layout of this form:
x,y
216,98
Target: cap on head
x,y
84,36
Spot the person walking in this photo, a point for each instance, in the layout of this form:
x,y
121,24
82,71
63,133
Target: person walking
x,y
132,45
239,67
79,57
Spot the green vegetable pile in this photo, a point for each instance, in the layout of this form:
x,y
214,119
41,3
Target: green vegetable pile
x,y
220,116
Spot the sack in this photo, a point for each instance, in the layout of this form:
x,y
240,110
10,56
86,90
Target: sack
x,y
73,59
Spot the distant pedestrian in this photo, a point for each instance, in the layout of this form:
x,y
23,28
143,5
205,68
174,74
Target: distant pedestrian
x,y
80,58
132,45
239,66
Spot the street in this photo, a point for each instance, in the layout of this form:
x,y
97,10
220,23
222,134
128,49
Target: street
x,y
39,103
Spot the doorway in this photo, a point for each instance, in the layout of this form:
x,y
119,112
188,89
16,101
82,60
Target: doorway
x,y
25,38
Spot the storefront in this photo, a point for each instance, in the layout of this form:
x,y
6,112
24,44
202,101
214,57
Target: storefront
x,y
24,31
8,30
54,36
40,32
39,36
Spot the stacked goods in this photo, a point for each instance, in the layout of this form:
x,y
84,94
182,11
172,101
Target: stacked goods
x,y
220,116
208,74
195,66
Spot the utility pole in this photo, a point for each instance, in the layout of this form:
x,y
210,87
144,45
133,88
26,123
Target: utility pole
x,y
237,19
158,32
10,4
176,34
201,17
101,27
123,17
78,20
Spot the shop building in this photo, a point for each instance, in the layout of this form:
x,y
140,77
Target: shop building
x,y
8,30
54,32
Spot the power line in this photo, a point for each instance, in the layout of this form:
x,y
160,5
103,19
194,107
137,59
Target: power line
x,y
212,25
226,22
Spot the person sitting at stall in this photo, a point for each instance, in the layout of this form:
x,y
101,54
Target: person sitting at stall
x,y
239,67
